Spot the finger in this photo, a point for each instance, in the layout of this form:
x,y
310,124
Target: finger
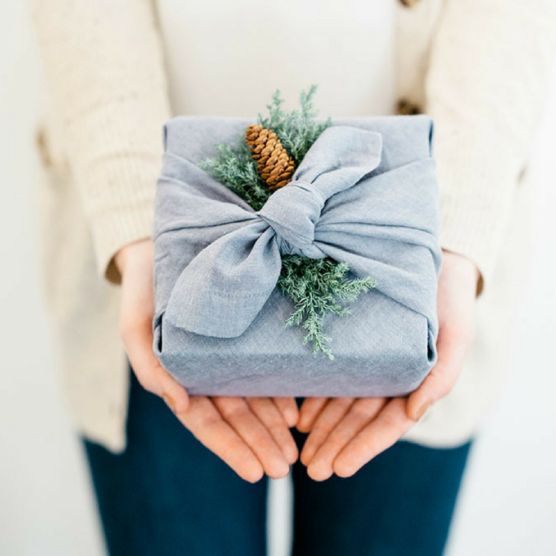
x,y
328,418
207,425
237,413
310,409
452,349
269,415
362,412
138,341
381,433
289,410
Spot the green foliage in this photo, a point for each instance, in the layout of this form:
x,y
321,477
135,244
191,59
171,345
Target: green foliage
x,y
297,129
236,169
314,285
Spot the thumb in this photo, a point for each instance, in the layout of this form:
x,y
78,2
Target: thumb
x,y
452,349
138,340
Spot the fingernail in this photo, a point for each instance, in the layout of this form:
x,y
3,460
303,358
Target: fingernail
x,y
279,470
344,471
169,402
291,454
319,473
291,417
422,410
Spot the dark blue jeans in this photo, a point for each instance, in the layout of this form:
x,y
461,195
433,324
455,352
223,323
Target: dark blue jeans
x,y
168,495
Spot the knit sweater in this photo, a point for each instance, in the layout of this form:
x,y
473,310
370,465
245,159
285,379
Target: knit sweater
x,y
478,67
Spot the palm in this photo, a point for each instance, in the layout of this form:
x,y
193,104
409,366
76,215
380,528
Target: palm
x,y
346,433
250,434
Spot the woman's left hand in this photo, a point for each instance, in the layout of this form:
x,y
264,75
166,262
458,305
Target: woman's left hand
x,y
346,433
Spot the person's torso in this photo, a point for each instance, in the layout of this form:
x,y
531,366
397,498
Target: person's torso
x,y
227,58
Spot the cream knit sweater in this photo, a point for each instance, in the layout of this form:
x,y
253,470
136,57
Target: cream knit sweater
x,y
478,67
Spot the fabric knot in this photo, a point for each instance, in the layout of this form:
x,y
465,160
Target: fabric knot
x,y
293,212
227,283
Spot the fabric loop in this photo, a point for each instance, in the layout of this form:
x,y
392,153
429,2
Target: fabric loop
x,y
228,282
293,212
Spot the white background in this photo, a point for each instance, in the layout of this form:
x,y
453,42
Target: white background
x,y
508,505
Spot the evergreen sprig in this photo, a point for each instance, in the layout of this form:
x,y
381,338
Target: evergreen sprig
x,y
314,285
235,168
297,129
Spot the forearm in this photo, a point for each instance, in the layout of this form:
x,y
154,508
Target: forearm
x,y
104,69
485,88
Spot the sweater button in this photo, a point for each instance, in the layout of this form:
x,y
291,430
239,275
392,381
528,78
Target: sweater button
x,y
406,108
409,3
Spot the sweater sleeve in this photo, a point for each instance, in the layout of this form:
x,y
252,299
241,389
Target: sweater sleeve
x,y
104,69
488,73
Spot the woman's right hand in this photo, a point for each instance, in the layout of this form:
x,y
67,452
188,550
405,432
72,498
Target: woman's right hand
x,y
250,434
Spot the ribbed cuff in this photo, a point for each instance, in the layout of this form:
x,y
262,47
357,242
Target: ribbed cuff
x,y
114,229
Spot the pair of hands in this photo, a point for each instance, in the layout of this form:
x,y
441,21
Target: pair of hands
x,y
252,434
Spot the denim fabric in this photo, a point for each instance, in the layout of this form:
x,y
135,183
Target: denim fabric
x,y
365,193
167,495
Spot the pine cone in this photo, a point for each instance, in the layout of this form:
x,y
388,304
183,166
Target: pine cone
x,y
275,166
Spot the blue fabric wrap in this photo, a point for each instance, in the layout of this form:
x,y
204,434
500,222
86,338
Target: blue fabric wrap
x,y
365,193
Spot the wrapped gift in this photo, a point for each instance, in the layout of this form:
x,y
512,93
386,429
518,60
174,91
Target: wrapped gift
x,y
365,194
